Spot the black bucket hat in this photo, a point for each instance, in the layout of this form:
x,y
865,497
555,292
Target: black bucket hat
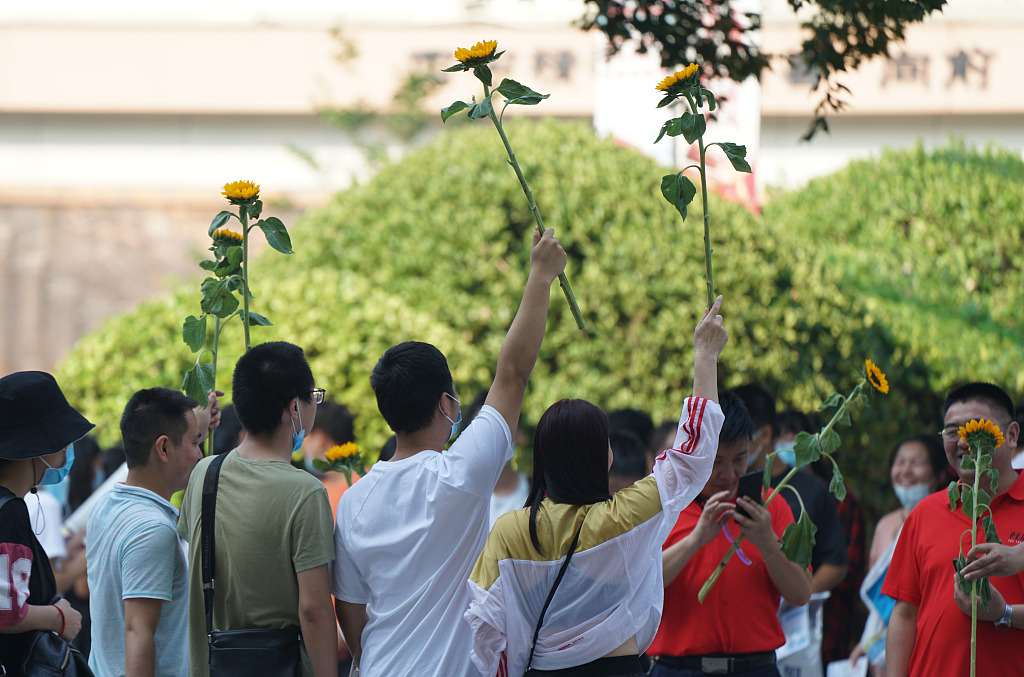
x,y
35,418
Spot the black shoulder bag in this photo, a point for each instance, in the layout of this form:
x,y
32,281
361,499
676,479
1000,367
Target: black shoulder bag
x,y
43,653
551,595
238,653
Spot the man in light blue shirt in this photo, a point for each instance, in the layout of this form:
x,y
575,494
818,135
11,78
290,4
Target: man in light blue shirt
x,y
138,579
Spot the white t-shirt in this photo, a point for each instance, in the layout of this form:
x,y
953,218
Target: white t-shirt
x,y
406,538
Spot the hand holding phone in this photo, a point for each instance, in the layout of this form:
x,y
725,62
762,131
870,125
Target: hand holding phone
x,y
749,487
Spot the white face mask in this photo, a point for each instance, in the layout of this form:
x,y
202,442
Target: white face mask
x,y
912,495
752,458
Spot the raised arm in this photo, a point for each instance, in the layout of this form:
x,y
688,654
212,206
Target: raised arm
x,y
708,340
522,343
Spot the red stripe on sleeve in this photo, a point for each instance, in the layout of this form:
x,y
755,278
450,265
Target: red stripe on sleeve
x,y
695,433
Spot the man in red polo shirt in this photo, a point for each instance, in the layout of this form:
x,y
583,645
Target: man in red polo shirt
x,y
930,628
736,630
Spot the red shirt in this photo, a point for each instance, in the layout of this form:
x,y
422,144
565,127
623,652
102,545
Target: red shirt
x,y
921,573
739,615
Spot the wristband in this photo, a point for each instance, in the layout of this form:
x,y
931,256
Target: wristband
x,y
63,622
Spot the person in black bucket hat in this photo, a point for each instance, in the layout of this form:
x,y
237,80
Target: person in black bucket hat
x,y
38,429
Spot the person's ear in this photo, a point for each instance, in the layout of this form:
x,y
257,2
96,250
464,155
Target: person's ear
x,y
1013,435
161,448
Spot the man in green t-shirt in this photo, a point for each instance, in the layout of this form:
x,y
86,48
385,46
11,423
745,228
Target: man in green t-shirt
x,y
273,530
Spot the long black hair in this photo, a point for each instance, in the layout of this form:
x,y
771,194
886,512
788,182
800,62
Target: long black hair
x,y
570,458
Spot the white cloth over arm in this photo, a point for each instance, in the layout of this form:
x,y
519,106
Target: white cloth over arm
x,y
613,588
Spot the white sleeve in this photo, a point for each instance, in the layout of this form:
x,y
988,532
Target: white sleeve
x,y
683,470
347,584
475,460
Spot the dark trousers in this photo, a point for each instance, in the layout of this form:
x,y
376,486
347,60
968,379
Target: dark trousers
x,y
664,671
616,666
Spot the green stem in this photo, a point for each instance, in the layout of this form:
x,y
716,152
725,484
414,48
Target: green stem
x,y
563,281
243,216
216,343
709,278
710,582
974,542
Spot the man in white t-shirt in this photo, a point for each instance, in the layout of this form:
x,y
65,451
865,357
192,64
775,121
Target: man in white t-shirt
x,y
409,532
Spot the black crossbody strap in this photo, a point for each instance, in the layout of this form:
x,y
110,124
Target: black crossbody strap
x,y
551,595
207,518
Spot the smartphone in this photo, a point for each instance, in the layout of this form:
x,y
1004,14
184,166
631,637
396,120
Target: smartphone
x,y
750,486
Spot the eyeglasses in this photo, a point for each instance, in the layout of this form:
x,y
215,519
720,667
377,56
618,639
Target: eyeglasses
x,y
318,395
952,433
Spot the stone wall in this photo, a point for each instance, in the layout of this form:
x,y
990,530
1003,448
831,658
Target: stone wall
x,y
70,262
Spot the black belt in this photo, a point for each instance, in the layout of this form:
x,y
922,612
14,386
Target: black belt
x,y
720,665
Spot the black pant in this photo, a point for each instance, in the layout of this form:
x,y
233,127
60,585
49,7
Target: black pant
x,y
616,666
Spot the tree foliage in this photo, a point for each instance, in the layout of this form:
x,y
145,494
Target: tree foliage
x,y
436,248
840,35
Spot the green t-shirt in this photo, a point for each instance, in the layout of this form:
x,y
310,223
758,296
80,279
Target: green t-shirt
x,y
272,521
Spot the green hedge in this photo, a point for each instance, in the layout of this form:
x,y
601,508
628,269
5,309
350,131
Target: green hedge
x,y
436,248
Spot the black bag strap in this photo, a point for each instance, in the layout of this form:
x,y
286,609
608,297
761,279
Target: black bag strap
x,y
551,595
207,518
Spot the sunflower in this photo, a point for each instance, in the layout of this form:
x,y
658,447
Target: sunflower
x,y
679,77
226,238
981,433
480,50
241,192
476,58
876,378
342,451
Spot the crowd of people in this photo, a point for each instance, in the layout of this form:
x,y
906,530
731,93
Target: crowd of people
x,y
443,560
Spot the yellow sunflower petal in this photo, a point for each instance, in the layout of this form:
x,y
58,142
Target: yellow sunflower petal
x,y
876,378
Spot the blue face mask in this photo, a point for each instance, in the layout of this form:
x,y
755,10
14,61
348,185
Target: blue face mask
x,y
56,475
298,437
786,453
456,422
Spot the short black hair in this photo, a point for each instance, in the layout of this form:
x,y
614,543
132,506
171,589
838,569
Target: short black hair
x,y
408,380
635,421
149,414
759,403
791,420
267,377
629,457
990,394
336,421
738,426
228,431
387,452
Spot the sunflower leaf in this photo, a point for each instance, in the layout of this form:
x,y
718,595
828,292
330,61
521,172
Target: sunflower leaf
x,y
198,381
679,191
807,448
693,126
671,127
994,481
217,298
483,74
737,155
830,441
453,69
255,319
837,486
219,221
966,499
480,110
666,101
193,332
451,110
255,209
208,265
712,102
991,535
277,234
515,92
834,400
953,492
798,540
